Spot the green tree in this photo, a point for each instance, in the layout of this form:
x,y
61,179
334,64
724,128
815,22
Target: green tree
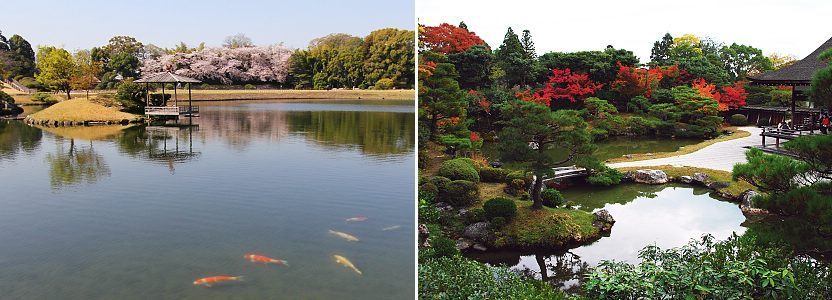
x,y
532,129
86,75
528,45
740,60
821,89
21,57
660,54
389,53
474,66
440,99
513,59
55,67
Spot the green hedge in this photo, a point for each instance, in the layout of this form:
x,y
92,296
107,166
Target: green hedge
x,y
500,207
489,174
460,193
551,197
459,169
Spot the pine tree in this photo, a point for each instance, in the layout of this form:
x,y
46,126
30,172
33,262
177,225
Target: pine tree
x,y
528,45
463,26
660,55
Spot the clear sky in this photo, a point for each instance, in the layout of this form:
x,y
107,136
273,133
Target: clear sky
x,y
794,27
84,24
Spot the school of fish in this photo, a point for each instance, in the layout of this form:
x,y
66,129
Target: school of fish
x,y
262,259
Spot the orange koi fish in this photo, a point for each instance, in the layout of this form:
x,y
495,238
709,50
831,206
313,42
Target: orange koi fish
x,y
357,219
210,281
264,259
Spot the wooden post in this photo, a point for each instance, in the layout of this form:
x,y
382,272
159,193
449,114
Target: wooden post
x,y
147,92
190,103
175,98
794,93
164,101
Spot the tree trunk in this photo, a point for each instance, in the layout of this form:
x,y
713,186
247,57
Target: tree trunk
x,y
538,184
67,94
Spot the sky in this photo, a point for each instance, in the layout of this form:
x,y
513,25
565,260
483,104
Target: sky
x,y
83,24
794,27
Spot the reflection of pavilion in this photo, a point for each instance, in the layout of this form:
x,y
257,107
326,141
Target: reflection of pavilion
x,y
173,147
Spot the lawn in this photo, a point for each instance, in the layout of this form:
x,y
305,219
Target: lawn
x,y
80,110
735,188
270,94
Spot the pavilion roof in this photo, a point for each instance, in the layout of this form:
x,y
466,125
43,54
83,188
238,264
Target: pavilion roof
x,y
167,77
799,73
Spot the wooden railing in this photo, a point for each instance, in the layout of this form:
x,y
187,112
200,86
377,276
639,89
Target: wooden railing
x,y
162,110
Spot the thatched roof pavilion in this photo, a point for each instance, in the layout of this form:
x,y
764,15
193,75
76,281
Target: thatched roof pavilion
x,y
165,110
798,74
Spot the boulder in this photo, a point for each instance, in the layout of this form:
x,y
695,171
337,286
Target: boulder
x,y
718,185
479,247
463,244
603,220
477,232
747,203
628,176
443,207
700,178
686,179
650,176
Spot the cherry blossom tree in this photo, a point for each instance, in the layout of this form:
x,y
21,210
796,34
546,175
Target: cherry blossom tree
x,y
226,65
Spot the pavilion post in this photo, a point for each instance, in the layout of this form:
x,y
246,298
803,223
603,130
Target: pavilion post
x,y
147,92
190,103
164,101
175,97
794,101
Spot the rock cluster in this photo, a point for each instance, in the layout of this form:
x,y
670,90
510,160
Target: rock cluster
x,y
603,221
648,176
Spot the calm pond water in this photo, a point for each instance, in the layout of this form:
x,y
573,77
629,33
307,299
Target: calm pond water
x,y
617,146
665,215
141,212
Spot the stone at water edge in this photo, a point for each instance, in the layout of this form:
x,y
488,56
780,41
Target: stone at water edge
x,y
463,244
718,185
479,247
747,203
603,220
700,178
477,232
650,176
685,179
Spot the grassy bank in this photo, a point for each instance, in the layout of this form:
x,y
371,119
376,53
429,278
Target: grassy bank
x,y
737,134
231,95
81,110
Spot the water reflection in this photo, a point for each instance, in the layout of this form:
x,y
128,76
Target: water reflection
x,y
16,137
72,164
666,216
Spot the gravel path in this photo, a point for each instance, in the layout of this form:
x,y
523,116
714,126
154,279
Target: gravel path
x,y
719,156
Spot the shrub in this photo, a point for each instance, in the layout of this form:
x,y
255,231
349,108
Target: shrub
x,y
498,222
440,182
461,193
762,122
489,174
570,204
159,99
131,95
204,86
511,176
44,98
551,197
738,120
249,87
499,207
459,169
641,126
6,97
599,134
384,84
443,247
474,215
461,278
169,86
524,195
516,187
605,176
429,189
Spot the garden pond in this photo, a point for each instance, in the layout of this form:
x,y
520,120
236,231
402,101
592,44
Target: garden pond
x,y
141,212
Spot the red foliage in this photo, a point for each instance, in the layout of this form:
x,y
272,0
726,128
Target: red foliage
x,y
730,97
426,69
474,136
563,84
447,38
446,122
483,102
733,96
632,82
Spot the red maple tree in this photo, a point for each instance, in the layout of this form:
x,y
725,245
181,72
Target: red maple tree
x,y
447,38
731,96
483,102
562,84
631,82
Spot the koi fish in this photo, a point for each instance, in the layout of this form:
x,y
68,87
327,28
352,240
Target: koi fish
x,y
346,262
394,227
264,260
357,219
210,281
345,236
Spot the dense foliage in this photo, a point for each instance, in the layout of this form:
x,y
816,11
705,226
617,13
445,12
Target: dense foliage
x,y
17,58
226,65
459,169
460,278
499,208
737,268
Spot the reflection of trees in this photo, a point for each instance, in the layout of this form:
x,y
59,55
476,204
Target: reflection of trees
x,y
75,165
563,270
796,234
373,132
16,137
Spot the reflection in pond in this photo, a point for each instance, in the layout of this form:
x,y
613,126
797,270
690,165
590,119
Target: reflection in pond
x,y
666,216
71,164
377,132
17,137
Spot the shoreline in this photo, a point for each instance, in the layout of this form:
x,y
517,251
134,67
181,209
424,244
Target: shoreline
x,y
256,95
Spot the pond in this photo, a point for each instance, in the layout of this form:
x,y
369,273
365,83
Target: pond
x,y
617,146
111,212
665,215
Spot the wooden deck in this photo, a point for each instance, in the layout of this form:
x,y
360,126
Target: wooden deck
x,y
192,110
785,134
